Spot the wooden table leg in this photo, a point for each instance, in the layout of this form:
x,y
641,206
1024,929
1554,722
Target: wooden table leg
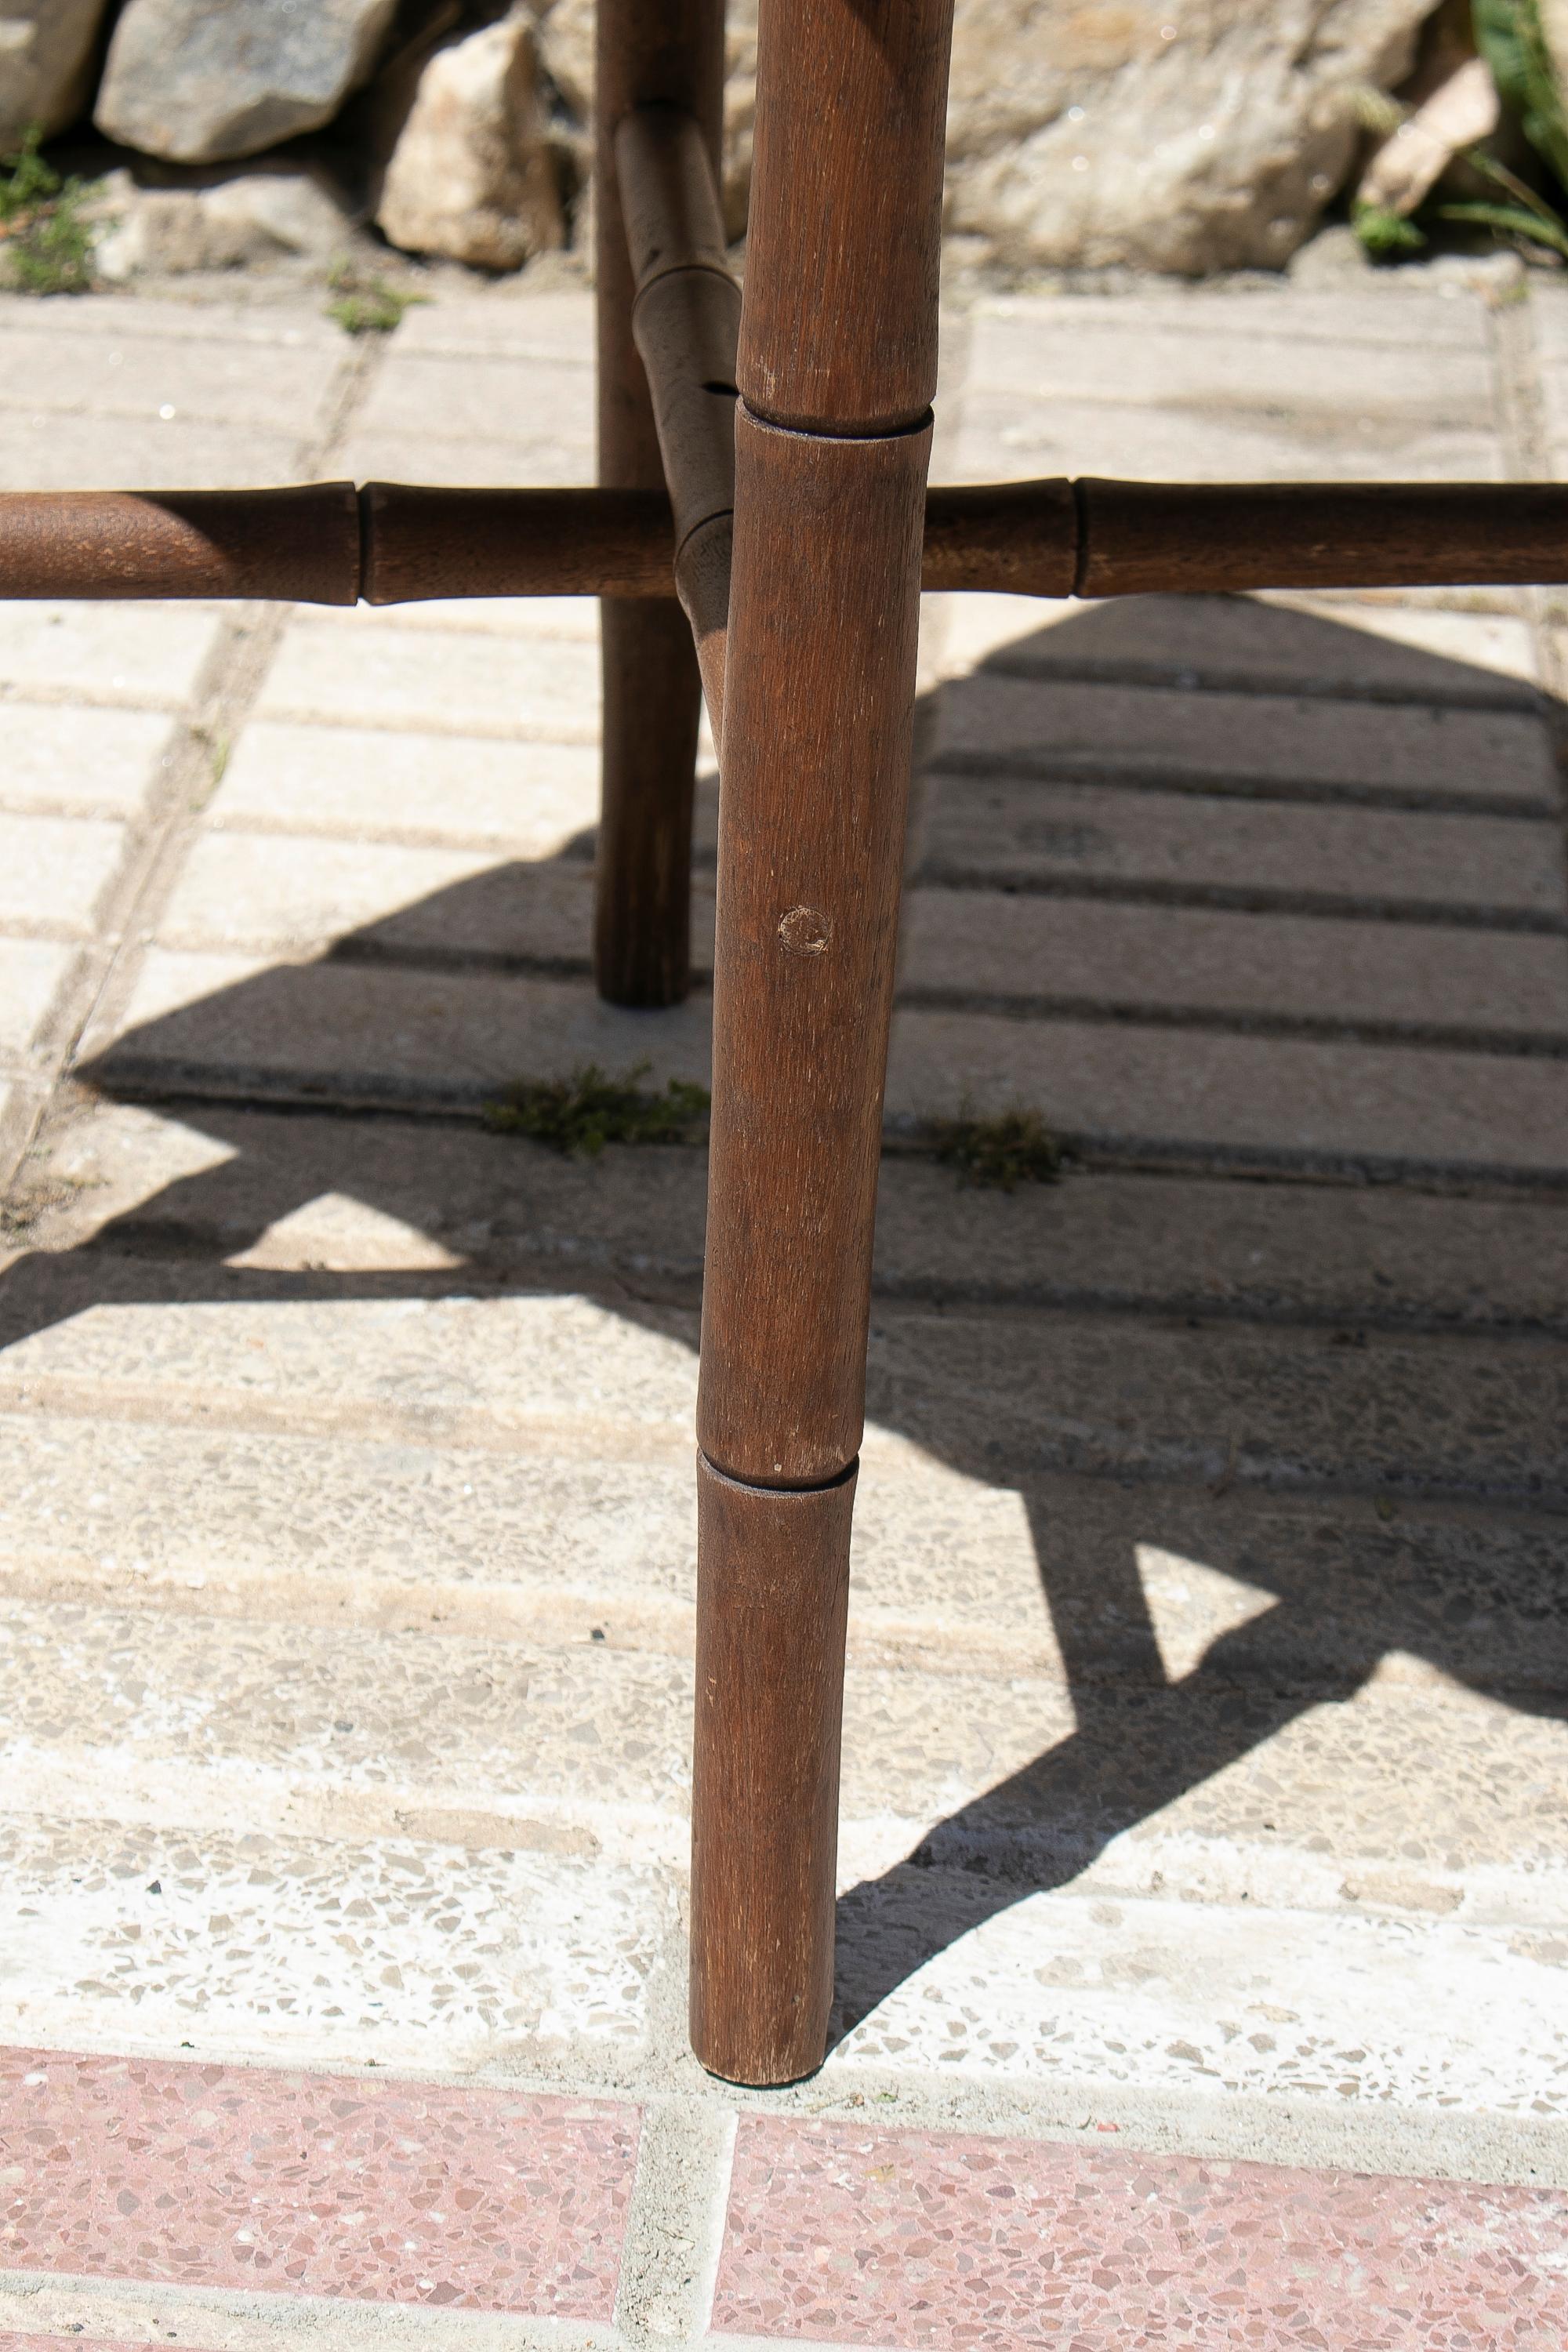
x,y
837,366
648,51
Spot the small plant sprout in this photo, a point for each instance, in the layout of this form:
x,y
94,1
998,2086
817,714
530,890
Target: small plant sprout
x,y
1009,1148
366,306
580,1114
42,229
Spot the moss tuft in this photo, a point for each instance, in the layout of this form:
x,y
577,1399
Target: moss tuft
x,y
581,1114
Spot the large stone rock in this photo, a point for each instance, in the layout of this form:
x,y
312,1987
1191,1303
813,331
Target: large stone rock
x,y
471,176
1193,137
206,81
45,58
273,212
1188,137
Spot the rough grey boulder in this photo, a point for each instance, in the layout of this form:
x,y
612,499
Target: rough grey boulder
x,y
471,176
270,213
206,81
1187,138
46,57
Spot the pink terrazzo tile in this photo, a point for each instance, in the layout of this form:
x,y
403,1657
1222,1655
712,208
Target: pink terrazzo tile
x,y
312,2184
951,2243
11,2342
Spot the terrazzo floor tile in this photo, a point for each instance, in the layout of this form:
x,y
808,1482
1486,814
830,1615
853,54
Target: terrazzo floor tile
x,y
205,2176
943,2242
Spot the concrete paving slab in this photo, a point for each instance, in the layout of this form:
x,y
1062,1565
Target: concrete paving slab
x,y
352,670
1348,320
322,2187
997,829
863,2234
392,1033
952,1573
148,379
31,973
450,396
1235,1100
1057,351
42,451
1071,731
73,758
1281,1409
1004,437
141,655
1319,645
221,1180
54,872
533,798
1165,962
311,1951
205,319
544,327
1220,2000
477,461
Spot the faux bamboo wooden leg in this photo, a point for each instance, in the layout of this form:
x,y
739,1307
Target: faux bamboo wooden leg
x,y
669,52
832,439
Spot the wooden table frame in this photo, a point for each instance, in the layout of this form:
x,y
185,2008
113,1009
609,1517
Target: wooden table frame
x,y
762,531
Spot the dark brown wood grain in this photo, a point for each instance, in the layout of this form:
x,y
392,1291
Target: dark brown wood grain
x,y
843,246
772,1591
837,336
819,695
648,53
302,544
1175,537
421,543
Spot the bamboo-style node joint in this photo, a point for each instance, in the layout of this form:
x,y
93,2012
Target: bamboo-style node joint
x,y
686,319
396,542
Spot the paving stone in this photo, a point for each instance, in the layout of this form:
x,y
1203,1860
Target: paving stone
x,y
392,1033
31,973
41,450
575,618
1261,367
1348,323
64,757
1366,646
1171,960
259,891
535,799
451,396
385,1031
137,376
143,655
544,327
952,1573
561,1361
1000,830
221,1179
1289,1409
1004,437
250,2179
123,317
867,2235
1209,1999
477,461
320,1950
1218,1785
368,673
1281,1409
1228,1100
1071,730
54,871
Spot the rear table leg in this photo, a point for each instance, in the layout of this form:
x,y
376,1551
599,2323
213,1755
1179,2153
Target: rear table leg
x,y
837,369
669,52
